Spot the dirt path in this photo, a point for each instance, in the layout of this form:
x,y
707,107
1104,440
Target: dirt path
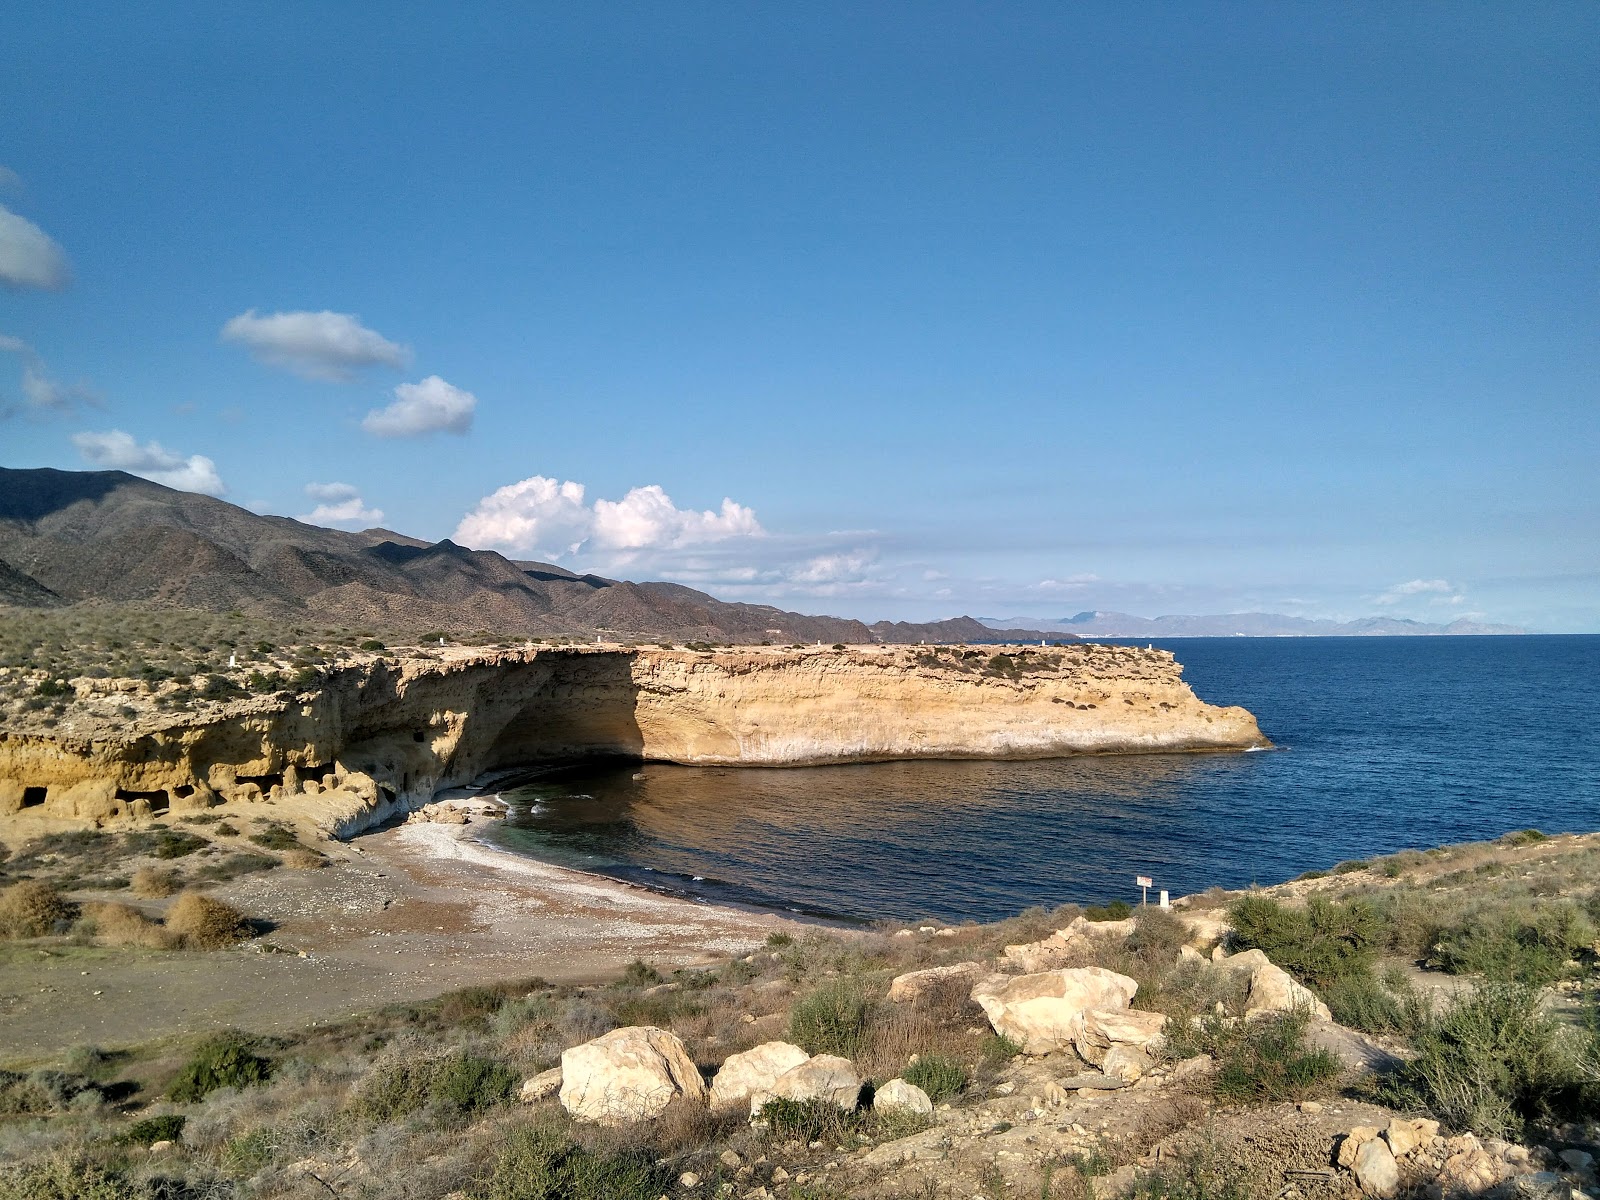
x,y
400,915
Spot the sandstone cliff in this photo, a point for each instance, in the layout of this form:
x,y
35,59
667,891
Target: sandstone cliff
x,y
382,736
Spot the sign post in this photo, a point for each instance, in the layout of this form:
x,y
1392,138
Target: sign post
x,y
1144,883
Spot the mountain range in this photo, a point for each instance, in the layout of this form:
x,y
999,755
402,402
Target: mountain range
x,y
70,536
1252,624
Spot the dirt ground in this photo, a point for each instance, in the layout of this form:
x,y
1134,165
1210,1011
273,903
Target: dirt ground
x,y
403,914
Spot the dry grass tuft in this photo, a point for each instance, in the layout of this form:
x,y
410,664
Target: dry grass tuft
x,y
206,924
124,925
32,909
155,883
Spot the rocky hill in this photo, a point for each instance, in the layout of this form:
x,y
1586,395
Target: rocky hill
x,y
69,536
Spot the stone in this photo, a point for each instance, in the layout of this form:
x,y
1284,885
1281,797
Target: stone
x,y
1064,944
1406,1136
629,1074
731,1159
1189,1068
1375,1168
751,1071
1248,960
1353,1141
1540,1185
825,1077
688,1181
1044,1012
1190,954
1103,1029
541,1087
1127,1063
1468,1171
911,986
1273,990
899,1096
1577,1160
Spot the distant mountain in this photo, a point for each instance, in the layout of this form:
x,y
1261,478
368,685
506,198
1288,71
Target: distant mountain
x,y
67,536
1115,624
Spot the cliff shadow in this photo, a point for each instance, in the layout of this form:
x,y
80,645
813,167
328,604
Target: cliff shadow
x,y
586,707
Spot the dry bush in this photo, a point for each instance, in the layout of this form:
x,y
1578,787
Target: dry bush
x,y
897,1032
124,925
206,924
302,859
155,883
32,909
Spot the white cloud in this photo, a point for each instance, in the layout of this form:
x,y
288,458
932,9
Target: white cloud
x,y
551,518
42,394
432,406
340,504
1439,591
646,517
316,345
115,450
29,257
848,567
1072,583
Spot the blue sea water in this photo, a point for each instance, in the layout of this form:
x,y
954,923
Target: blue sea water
x,y
1384,744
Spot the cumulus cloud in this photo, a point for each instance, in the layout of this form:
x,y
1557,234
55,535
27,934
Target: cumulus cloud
x,y
118,451
43,395
1438,591
316,345
29,257
339,504
552,518
432,406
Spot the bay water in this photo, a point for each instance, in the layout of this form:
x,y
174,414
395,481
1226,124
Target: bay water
x,y
1384,744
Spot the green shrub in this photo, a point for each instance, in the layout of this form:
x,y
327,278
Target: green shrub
x,y
1318,944
832,1020
275,836
998,1048
64,1177
942,1078
1524,837
1117,910
1157,932
1206,1174
1531,945
1361,1002
1493,1062
639,973
808,1120
149,1131
176,843
1265,1060
537,1163
458,1083
227,1060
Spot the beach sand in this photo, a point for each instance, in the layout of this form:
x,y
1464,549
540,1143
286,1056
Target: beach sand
x,y
401,914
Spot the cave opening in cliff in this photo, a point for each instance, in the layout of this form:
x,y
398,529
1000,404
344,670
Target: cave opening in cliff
x,y
158,801
34,797
585,707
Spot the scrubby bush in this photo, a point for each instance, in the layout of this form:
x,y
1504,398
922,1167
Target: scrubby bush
x,y
1532,944
149,1131
124,925
203,923
155,883
1319,944
33,909
832,1020
808,1120
1117,910
538,1163
1362,1002
64,1176
942,1078
226,1060
1157,933
457,1083
998,1048
1491,1063
40,1092
1265,1060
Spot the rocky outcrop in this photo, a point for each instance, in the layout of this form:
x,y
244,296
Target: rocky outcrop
x,y
629,1074
381,737
1045,1012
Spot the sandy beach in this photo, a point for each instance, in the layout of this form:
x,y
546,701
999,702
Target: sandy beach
x,y
400,914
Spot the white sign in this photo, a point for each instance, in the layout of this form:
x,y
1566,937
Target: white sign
x,y
1143,881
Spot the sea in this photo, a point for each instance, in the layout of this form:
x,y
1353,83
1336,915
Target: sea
x,y
1382,744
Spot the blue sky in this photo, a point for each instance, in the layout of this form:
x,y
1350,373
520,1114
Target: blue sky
x,y
881,310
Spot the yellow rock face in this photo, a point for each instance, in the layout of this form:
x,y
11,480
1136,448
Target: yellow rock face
x,y
377,738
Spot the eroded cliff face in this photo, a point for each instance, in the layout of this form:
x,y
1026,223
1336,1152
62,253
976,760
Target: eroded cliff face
x,y
374,739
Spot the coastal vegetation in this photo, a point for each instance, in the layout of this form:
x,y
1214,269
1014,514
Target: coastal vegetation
x,y
423,1099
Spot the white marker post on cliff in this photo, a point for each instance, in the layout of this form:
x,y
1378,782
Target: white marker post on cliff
x,y
1144,883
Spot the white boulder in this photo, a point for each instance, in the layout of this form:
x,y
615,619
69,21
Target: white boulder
x,y
899,1096
825,1077
1044,1012
752,1071
1104,1029
541,1087
913,985
627,1075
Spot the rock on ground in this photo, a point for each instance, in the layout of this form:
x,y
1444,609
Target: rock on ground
x,y
629,1074
825,1077
912,985
1044,1012
751,1071
899,1096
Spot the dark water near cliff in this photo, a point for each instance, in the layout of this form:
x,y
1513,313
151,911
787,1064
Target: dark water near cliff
x,y
1386,743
